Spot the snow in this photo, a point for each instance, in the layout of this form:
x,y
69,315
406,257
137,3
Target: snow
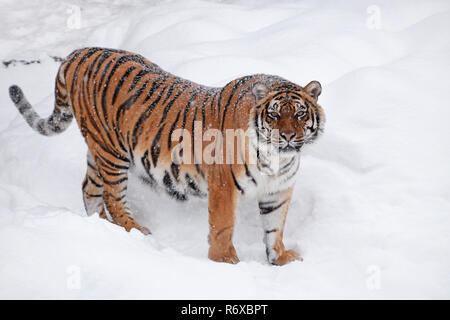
x,y
371,207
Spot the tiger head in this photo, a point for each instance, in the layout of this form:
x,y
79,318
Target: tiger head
x,y
287,118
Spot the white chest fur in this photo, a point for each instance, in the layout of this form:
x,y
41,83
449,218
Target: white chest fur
x,y
271,176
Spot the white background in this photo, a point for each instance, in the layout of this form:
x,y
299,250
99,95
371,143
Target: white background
x,y
370,213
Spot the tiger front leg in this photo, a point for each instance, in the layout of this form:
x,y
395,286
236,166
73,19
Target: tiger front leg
x,y
273,210
222,203
115,182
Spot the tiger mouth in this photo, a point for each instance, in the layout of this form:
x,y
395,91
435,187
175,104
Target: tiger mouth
x,y
290,148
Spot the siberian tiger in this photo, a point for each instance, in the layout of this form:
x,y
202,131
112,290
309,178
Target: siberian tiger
x,y
128,109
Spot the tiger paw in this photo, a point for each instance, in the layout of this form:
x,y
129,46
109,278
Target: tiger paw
x,y
228,256
103,215
144,230
134,225
288,256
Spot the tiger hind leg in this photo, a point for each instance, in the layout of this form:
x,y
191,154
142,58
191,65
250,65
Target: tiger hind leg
x,y
114,174
93,190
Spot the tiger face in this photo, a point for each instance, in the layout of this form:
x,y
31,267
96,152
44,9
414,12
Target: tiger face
x,y
287,119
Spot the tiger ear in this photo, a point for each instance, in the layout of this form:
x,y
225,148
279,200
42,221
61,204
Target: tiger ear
x,y
260,90
313,89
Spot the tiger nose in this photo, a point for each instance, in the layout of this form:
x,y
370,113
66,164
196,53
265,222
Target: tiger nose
x,y
288,135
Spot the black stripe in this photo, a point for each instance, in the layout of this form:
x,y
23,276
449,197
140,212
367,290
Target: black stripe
x,y
137,130
241,95
75,74
156,147
218,102
66,116
247,172
170,90
293,173
111,164
130,152
74,56
91,68
88,87
90,165
155,85
207,96
269,209
59,83
115,182
119,199
197,166
150,180
195,189
95,183
120,83
99,144
235,181
318,119
193,139
105,86
93,122
186,109
103,103
124,107
83,103
170,188
175,169
241,82
137,78
286,167
146,164
265,203
61,102
143,62
112,173
286,86
85,182
104,56
131,100
294,94
169,140
213,104
94,195
169,105
255,123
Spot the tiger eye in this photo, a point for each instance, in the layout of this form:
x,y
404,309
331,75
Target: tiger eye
x,y
274,115
300,114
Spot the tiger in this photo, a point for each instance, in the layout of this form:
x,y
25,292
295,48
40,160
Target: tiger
x,y
128,108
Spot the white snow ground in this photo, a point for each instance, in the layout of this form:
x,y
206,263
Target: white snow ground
x,y
371,209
